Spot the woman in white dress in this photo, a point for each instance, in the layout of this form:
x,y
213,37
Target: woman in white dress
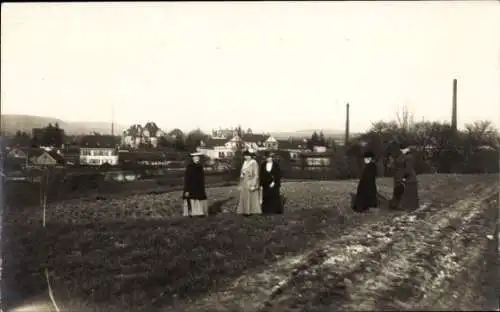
x,y
249,203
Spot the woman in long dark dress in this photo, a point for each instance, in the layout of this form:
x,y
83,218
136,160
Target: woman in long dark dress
x,y
270,181
405,194
366,195
194,195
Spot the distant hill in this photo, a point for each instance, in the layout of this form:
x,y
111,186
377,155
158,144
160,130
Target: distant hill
x,y
13,123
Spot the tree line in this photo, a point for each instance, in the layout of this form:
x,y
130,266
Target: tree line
x,y
50,135
437,146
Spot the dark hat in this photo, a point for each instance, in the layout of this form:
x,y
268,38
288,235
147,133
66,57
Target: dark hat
x,y
247,153
268,154
368,154
393,146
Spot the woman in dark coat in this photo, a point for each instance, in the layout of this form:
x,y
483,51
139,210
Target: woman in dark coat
x,y
194,195
270,181
405,195
366,195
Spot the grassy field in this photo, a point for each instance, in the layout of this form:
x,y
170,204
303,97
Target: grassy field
x,y
136,253
26,194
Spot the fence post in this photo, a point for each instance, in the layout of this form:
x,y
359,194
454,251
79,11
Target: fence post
x,y
44,186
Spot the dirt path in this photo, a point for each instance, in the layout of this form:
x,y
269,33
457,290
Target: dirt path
x,y
406,263
397,263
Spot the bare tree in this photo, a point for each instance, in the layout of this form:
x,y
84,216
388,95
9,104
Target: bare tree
x,y
482,132
405,119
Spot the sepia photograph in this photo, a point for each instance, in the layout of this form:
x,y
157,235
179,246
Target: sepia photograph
x,y
259,156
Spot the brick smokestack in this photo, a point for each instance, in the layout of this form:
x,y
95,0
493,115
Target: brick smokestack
x,y
454,106
113,120
346,139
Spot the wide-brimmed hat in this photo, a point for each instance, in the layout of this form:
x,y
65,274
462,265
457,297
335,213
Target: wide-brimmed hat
x,y
247,153
368,154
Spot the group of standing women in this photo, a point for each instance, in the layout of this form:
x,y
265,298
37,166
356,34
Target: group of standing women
x,y
259,187
405,188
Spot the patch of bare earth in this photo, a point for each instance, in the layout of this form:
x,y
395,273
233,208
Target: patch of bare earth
x,y
407,263
137,254
346,253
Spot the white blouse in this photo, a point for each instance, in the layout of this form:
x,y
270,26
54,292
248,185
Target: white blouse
x,y
269,166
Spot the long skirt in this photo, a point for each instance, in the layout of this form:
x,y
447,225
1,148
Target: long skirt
x,y
271,201
249,202
410,200
365,199
406,198
194,207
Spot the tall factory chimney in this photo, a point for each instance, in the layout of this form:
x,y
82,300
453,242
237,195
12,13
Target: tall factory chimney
x,y
113,119
346,139
454,107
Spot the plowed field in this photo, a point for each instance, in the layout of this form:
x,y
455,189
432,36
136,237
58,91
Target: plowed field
x,y
138,254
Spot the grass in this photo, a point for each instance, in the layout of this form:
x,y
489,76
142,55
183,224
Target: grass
x,y
99,252
164,260
129,263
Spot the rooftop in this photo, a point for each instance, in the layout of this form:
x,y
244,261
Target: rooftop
x,y
99,141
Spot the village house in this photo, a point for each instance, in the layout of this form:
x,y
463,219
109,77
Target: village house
x,y
316,160
96,150
221,148
154,137
217,148
137,135
142,158
130,140
293,146
48,158
223,133
259,142
20,152
26,157
18,158
271,143
71,154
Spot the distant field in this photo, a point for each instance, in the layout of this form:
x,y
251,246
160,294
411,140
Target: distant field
x,y
138,254
21,193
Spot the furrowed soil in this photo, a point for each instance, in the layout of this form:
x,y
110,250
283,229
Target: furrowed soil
x,y
137,253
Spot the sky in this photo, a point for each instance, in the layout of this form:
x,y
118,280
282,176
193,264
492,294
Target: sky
x,y
270,66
